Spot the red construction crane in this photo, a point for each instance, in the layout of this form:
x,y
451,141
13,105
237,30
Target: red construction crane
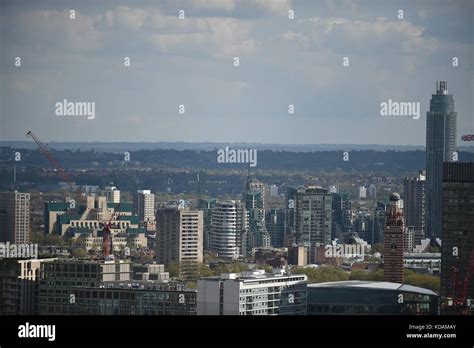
x,y
468,137
107,225
64,175
461,286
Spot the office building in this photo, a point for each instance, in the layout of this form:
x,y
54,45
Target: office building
x,y
415,202
206,206
440,147
144,205
57,278
357,297
19,283
252,293
394,241
457,247
134,298
15,217
179,236
313,218
362,193
275,224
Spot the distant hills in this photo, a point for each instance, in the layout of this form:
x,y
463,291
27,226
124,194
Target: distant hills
x,y
116,147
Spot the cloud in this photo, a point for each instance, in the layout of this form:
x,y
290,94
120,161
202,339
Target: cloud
x,y
348,36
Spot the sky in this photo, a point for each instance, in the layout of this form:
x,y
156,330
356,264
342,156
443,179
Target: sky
x,y
190,61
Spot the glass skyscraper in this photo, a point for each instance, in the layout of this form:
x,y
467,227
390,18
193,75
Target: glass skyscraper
x,y
440,147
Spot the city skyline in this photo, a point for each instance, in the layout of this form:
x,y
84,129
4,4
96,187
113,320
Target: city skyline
x,y
190,62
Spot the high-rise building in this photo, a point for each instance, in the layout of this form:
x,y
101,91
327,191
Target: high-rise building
x,y
394,241
252,293
457,249
415,202
313,218
440,147
341,214
112,194
206,205
229,229
362,192
179,236
275,223
15,217
378,223
144,205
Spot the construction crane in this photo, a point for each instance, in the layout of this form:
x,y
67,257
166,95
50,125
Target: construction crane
x,y
461,286
107,246
64,175
467,137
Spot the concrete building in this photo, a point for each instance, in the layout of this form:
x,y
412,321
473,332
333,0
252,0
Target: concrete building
x,y
362,193
19,282
357,297
51,212
112,194
15,217
415,201
206,206
313,218
394,241
252,293
134,298
440,147
229,229
457,247
179,237
144,205
57,278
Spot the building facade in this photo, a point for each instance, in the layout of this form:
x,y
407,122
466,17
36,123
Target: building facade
x,y
394,244
15,217
179,239
252,293
313,218
415,201
457,248
144,205
440,147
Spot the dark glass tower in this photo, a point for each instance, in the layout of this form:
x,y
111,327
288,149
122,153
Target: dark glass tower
x,y
440,147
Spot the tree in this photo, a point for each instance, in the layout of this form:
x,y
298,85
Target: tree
x,y
322,274
79,252
376,275
173,269
53,239
426,281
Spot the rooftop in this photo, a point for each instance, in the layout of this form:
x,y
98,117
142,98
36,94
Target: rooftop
x,y
374,285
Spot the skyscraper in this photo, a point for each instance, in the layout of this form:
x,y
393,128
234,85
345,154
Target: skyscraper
x,y
15,217
179,237
229,224
275,223
313,218
415,201
113,194
440,147
457,253
144,205
394,241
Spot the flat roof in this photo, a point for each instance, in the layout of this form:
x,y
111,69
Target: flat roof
x,y
373,285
